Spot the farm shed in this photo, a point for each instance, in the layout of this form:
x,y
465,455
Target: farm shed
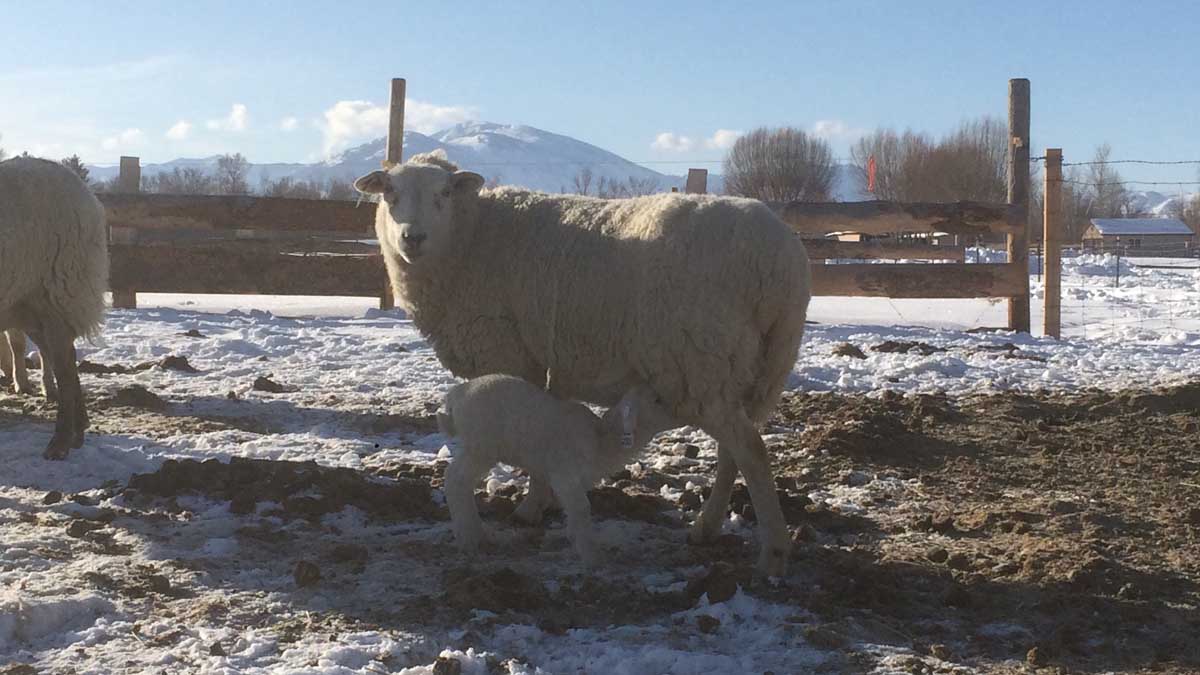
x,y
1156,236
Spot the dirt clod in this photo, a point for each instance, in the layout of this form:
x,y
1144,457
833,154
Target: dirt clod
x,y
193,333
937,555
52,497
707,624
136,396
306,573
720,583
847,349
905,347
447,665
177,363
265,383
691,451
499,591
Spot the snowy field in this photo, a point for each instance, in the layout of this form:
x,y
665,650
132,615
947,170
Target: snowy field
x,y
357,386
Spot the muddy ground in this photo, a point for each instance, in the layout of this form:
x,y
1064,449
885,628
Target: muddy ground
x,y
1000,533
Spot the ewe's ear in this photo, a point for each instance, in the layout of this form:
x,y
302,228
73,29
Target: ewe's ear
x,y
374,183
466,181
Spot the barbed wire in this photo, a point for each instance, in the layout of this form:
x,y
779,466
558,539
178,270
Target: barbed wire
x,y
1152,162
1128,182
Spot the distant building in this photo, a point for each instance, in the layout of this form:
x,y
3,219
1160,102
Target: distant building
x,y
1140,236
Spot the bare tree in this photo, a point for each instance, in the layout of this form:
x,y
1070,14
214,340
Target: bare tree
x,y
1110,199
181,181
289,187
339,189
583,181
75,164
632,186
783,164
2,153
231,174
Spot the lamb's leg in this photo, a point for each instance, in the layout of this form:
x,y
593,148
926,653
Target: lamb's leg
x,y
20,375
49,388
68,430
572,495
6,357
462,476
746,447
536,501
712,515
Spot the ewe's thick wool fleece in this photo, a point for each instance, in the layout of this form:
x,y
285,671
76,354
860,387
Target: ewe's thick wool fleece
x,y
701,297
53,244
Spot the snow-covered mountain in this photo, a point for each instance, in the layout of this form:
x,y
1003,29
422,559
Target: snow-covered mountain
x,y
1158,204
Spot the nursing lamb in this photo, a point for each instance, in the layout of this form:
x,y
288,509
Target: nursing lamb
x,y
563,446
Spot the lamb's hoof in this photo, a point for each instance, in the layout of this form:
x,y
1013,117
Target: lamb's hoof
x,y
59,448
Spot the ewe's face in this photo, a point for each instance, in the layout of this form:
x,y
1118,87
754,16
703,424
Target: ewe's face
x,y
420,201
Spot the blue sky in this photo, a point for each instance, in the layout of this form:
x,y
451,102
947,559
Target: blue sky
x,y
292,81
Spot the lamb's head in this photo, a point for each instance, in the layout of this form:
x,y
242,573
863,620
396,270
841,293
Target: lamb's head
x,y
639,415
421,199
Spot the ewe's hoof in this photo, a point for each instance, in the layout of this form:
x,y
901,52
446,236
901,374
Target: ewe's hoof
x,y
772,562
58,449
700,533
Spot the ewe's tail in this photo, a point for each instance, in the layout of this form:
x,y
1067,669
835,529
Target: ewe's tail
x,y
780,347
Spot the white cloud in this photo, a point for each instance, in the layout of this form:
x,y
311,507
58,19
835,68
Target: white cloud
x,y
349,121
722,139
835,130
289,124
669,141
179,131
125,139
237,120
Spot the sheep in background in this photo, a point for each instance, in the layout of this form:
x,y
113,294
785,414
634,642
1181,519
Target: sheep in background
x,y
53,274
563,445
12,366
701,298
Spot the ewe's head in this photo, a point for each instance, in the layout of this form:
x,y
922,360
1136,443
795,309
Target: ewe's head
x,y
420,198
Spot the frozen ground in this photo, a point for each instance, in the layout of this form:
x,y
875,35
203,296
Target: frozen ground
x,y
358,385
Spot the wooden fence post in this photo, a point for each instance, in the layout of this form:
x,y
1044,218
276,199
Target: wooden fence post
x,y
128,180
697,181
394,155
1018,195
1052,238
395,137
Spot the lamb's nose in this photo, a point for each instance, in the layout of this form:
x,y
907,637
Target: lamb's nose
x,y
412,239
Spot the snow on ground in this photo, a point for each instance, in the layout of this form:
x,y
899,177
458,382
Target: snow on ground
x,y
343,365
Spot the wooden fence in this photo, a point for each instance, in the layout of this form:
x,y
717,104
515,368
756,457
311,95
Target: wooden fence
x,y
279,246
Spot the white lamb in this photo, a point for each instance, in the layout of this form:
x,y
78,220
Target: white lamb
x,y
53,274
563,445
700,298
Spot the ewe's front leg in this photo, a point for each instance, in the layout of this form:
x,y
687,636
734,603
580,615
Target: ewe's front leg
x,y
746,447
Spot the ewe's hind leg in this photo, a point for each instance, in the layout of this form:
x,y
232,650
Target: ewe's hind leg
x,y
68,426
536,501
708,525
572,495
746,447
462,476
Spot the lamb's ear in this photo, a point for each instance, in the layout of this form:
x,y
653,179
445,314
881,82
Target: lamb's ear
x,y
374,183
466,181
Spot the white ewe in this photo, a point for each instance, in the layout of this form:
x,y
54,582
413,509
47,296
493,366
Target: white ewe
x,y
53,273
702,298
565,448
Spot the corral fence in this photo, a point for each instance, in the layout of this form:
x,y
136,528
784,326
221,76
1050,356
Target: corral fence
x,y
282,246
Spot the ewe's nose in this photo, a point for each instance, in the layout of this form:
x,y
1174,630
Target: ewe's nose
x,y
412,239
